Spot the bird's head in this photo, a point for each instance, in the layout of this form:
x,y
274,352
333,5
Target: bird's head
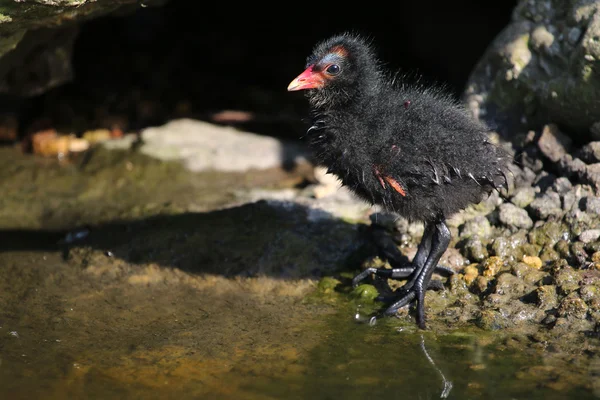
x,y
338,69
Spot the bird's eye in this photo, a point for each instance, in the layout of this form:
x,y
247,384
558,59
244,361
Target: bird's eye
x,y
333,69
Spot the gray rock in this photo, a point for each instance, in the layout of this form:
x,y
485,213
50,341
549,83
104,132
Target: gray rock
x,y
591,204
546,205
590,235
590,153
553,143
523,196
202,146
479,226
542,67
592,176
562,185
513,216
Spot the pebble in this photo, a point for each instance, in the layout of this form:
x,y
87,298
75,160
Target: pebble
x,y
591,235
523,196
546,205
511,215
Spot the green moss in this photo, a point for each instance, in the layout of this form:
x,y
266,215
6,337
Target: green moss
x,y
328,284
365,292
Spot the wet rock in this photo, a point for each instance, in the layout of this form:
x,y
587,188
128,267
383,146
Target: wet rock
x,y
572,306
589,235
545,297
549,254
481,284
546,205
492,266
523,196
479,226
513,216
475,249
202,146
509,285
553,143
509,248
567,279
578,252
493,320
522,79
562,247
590,153
528,274
548,234
470,273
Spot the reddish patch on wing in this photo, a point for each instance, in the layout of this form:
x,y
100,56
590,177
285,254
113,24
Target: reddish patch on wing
x,y
378,176
395,185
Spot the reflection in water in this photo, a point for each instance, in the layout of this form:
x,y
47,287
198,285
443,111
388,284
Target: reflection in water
x,y
447,383
371,320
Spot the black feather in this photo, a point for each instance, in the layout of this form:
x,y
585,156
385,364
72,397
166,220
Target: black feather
x,y
420,137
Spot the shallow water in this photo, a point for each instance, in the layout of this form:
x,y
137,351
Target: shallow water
x,y
121,313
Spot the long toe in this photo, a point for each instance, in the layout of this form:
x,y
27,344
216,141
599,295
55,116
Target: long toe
x,y
401,302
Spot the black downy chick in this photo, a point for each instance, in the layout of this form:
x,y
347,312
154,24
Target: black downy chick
x,y
413,150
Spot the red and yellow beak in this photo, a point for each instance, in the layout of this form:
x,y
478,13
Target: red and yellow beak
x,y
309,79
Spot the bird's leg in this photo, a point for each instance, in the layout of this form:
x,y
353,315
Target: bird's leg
x,y
419,283
390,251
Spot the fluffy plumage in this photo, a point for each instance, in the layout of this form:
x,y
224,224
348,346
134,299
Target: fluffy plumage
x,y
412,149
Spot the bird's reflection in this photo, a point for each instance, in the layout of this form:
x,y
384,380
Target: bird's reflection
x,y
447,384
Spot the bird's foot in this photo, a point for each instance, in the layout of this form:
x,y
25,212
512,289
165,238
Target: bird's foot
x,y
417,292
400,273
434,284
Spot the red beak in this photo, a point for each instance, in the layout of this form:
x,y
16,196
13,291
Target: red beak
x,y
306,80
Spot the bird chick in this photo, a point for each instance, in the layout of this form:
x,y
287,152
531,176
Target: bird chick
x,y
408,148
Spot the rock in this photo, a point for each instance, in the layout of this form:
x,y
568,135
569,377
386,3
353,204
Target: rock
x,y
202,146
540,68
475,249
513,216
523,196
591,204
562,185
545,296
546,205
479,226
592,176
572,167
590,153
36,41
470,272
553,143
572,306
590,235
533,261
491,266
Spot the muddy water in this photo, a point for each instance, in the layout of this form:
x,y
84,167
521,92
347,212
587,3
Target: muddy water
x,y
117,280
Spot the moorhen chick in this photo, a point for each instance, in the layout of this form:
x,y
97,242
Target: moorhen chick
x,y
411,149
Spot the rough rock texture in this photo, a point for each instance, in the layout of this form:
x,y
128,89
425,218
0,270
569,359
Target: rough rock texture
x,y
36,39
542,67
